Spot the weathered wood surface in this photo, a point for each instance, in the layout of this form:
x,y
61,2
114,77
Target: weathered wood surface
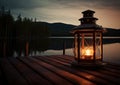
x,y
54,70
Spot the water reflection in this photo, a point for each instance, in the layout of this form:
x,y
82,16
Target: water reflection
x,y
36,46
54,46
112,53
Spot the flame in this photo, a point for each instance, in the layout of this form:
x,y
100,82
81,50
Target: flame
x,y
88,52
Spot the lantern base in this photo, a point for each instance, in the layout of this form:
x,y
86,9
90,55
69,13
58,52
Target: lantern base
x,y
88,65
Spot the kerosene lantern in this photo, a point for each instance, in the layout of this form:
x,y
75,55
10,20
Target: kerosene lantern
x,y
88,37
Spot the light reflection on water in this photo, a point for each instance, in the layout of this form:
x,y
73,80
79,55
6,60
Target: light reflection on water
x,y
54,46
111,52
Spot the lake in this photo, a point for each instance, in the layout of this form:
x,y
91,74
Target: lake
x,y
54,46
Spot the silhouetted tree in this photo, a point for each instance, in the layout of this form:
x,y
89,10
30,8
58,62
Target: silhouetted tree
x,y
15,34
6,28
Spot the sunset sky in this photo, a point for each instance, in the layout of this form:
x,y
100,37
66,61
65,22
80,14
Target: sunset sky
x,y
66,11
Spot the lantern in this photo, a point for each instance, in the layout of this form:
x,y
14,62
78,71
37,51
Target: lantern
x,y
88,37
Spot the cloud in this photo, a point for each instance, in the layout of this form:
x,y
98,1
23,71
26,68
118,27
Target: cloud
x,y
31,4
23,4
101,4
67,11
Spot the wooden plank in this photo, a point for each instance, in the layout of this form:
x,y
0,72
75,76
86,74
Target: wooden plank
x,y
45,73
80,73
67,57
113,66
113,77
62,59
106,77
31,76
12,75
107,70
71,58
112,70
1,78
58,65
55,70
105,74
65,74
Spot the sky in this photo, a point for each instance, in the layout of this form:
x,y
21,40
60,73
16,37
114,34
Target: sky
x,y
66,11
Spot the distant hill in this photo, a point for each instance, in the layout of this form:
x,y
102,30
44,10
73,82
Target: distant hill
x,y
112,32
62,29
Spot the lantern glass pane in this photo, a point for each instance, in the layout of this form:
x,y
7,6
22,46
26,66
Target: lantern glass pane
x,y
75,46
86,46
98,46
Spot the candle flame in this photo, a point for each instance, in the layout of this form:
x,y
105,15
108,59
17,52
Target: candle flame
x,y
88,52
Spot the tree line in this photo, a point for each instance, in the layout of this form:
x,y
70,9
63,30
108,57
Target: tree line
x,y
15,33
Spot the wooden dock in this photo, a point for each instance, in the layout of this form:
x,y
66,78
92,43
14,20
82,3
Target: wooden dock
x,y
54,70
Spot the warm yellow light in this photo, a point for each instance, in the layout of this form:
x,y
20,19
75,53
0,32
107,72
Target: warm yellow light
x,y
88,52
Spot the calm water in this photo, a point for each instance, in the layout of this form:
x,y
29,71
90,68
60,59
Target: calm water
x,y
54,46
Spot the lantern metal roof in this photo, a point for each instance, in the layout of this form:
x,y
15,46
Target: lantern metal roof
x,y
88,23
